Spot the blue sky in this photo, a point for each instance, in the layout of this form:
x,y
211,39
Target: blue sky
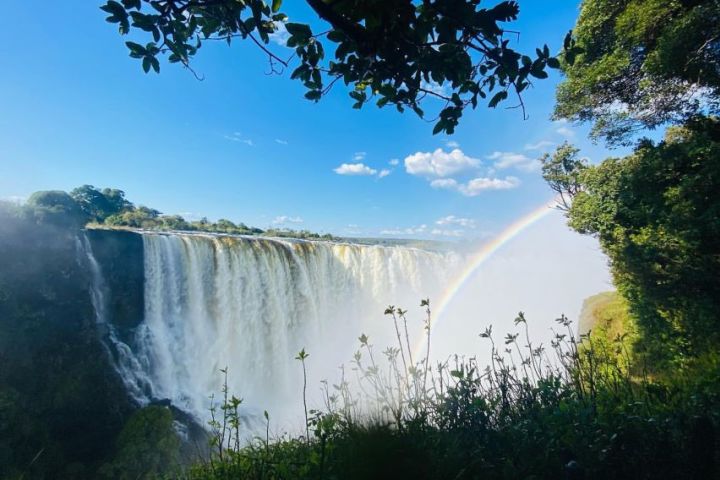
x,y
246,146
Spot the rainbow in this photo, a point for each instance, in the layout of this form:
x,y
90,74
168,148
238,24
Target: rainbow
x,y
477,259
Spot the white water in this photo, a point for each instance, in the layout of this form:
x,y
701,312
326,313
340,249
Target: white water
x,y
120,355
251,304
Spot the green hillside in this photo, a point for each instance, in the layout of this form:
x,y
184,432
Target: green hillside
x,y
606,314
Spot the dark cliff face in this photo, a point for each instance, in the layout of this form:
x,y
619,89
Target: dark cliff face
x,y
61,403
120,255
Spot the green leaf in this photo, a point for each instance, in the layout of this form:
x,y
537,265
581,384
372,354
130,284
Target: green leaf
x,y
276,4
135,47
114,8
313,95
553,62
299,29
497,98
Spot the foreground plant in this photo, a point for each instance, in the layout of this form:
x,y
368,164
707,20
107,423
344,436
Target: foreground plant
x,y
573,410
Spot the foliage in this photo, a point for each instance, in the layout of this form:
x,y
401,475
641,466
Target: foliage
x,y
640,64
151,219
656,213
147,446
395,51
606,315
100,204
562,172
572,411
55,207
109,207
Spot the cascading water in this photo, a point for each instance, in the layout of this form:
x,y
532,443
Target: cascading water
x,y
120,354
250,304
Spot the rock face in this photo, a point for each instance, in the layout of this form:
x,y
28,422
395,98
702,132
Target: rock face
x,y
61,403
120,255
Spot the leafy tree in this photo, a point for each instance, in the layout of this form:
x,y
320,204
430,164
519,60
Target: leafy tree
x,y
636,64
562,172
393,52
656,213
56,207
225,225
100,204
116,199
140,217
147,446
174,222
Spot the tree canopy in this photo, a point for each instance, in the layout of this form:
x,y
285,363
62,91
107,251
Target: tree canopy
x,y
55,207
391,52
108,207
640,64
656,213
100,204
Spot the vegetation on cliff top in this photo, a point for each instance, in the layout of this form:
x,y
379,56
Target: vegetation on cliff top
x,y
108,207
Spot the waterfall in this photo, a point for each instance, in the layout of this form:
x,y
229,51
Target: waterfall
x,y
121,356
250,304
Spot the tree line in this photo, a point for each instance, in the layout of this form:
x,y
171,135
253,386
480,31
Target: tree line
x,y
107,207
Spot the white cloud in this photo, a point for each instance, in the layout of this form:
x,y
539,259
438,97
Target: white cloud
x,y
238,137
541,145
281,141
516,160
452,144
439,163
283,219
424,230
448,183
280,35
405,231
358,156
453,220
447,233
384,173
436,88
566,132
354,169
394,162
477,185
352,229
